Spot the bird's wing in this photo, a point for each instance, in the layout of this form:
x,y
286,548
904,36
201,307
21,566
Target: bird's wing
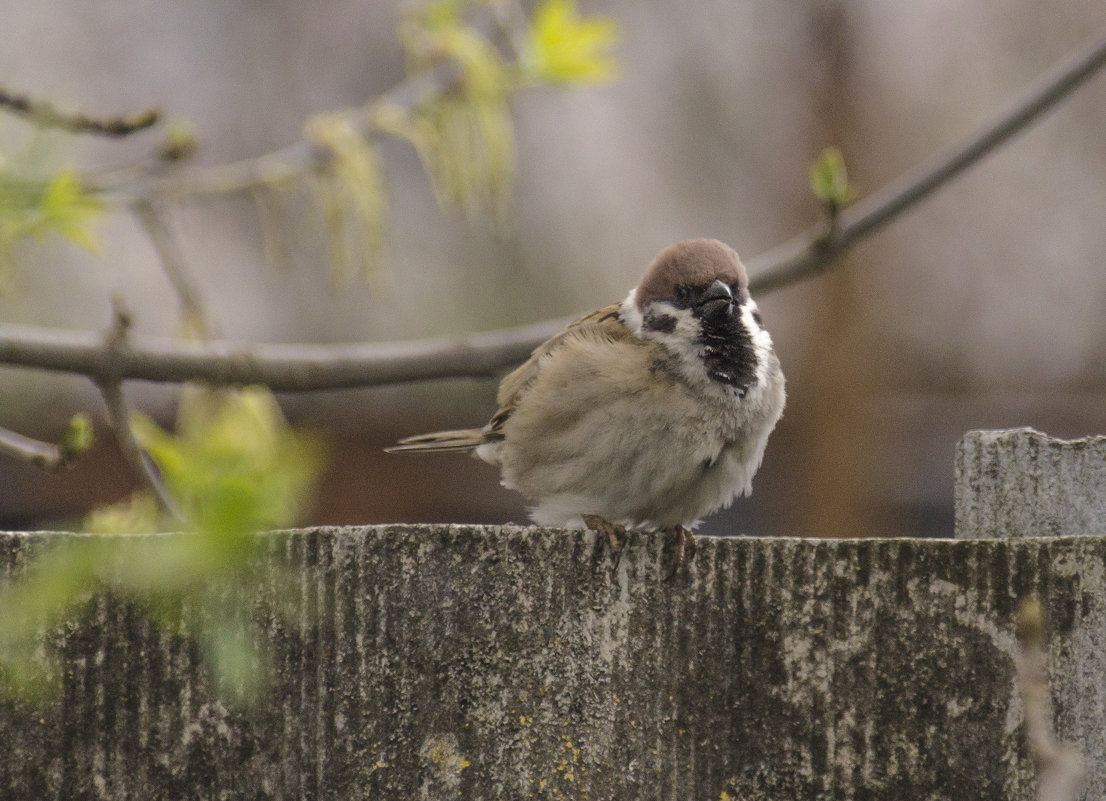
x,y
600,324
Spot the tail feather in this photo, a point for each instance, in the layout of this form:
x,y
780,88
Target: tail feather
x,y
463,439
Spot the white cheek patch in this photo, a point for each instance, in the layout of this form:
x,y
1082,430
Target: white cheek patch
x,y
630,315
682,338
762,341
685,327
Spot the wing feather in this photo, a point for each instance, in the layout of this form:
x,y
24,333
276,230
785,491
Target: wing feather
x,y
600,324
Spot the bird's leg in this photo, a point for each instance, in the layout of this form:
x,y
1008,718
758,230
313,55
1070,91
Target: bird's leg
x,y
616,534
683,543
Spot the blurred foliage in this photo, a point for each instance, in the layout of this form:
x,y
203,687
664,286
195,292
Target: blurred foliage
x,y
138,513
78,435
1030,623
233,468
461,129
563,48
352,197
33,207
464,135
178,142
829,180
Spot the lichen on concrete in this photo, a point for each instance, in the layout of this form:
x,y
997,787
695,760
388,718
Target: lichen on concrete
x,y
1022,483
500,663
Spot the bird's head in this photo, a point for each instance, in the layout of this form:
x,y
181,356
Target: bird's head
x,y
694,299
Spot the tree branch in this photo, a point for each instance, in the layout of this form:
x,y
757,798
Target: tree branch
x,y
279,165
168,249
110,385
298,368
284,368
814,251
43,113
119,417
44,455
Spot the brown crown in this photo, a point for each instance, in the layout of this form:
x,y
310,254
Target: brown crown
x,y
692,262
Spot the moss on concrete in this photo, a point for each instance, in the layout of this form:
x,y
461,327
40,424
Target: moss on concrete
x,y
512,663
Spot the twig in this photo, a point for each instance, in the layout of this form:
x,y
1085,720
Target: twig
x,y
43,113
813,251
1060,767
111,388
119,417
44,455
300,368
169,251
280,165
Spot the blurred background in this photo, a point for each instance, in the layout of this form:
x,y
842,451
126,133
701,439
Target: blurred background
x,y
983,308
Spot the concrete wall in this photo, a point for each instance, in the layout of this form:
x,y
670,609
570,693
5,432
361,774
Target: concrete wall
x,y
1022,483
513,663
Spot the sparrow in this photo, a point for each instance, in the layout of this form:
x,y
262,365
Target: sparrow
x,y
649,414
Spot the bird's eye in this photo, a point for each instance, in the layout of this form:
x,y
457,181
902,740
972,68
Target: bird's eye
x,y
683,295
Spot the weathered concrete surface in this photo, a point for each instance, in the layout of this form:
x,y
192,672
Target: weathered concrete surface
x,y
1022,483
484,663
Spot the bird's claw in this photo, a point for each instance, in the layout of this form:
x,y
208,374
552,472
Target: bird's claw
x,y
683,545
615,533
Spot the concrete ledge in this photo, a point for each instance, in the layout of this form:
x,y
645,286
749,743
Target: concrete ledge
x,y
485,663
1020,482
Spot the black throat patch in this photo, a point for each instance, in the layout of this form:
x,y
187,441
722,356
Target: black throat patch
x,y
728,350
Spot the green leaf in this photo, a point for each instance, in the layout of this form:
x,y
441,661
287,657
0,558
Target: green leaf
x,y
78,436
67,210
33,209
828,179
234,465
563,48
135,514
240,667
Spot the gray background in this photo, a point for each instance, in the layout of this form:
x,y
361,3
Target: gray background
x,y
982,309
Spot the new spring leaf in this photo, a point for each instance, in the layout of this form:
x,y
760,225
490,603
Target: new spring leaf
x,y
828,179
564,48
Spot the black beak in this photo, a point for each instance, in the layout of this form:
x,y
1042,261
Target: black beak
x,y
716,300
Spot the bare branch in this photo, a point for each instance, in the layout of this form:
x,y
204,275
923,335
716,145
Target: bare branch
x,y
169,251
119,417
43,113
44,455
1060,767
110,385
298,368
278,166
814,251
287,368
